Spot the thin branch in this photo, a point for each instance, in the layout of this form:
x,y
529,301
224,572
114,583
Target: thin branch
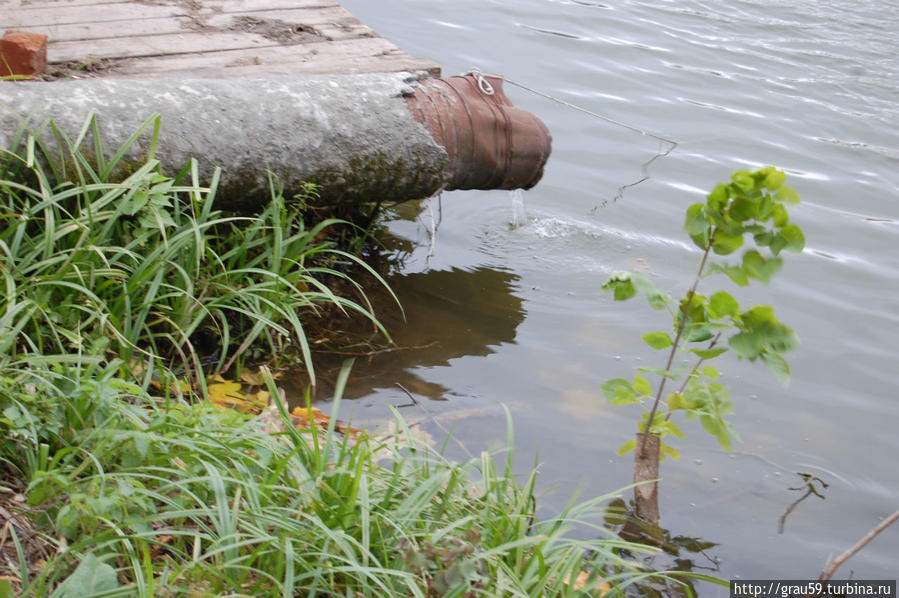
x,y
409,394
680,330
827,573
695,369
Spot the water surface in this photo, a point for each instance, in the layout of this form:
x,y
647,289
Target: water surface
x,y
516,312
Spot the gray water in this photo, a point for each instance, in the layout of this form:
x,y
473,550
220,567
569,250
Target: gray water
x,y
809,87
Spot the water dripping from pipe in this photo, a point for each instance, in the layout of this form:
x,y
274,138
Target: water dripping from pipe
x,y
519,209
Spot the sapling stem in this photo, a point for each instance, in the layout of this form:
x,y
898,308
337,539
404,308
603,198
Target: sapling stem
x,y
680,330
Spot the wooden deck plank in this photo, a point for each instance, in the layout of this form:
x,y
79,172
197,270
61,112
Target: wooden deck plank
x,y
65,14
370,55
333,22
207,38
29,4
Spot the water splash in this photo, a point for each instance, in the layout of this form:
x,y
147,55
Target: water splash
x,y
519,209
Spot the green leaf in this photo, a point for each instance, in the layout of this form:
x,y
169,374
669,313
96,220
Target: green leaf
x,y
697,224
743,180
735,273
91,576
787,195
722,304
709,353
676,401
621,284
774,179
698,332
747,344
760,332
710,424
135,203
642,385
743,209
627,447
779,215
658,299
670,427
619,391
724,244
778,366
795,240
627,284
711,373
717,199
717,428
658,340
670,451
756,266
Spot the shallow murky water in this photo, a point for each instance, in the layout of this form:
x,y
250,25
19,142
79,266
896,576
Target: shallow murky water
x,y
503,303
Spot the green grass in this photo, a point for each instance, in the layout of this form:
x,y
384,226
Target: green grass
x,y
147,270
136,497
117,281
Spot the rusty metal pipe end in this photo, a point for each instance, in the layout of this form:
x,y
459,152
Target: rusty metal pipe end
x,y
491,144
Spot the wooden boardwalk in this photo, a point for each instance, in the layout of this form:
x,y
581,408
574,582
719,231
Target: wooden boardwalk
x,y
205,38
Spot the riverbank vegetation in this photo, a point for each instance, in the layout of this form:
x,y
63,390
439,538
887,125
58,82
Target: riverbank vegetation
x,y
123,291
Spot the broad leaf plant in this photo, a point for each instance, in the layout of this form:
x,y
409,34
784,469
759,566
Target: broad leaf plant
x,y
750,210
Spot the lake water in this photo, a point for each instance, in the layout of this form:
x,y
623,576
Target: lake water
x,y
503,313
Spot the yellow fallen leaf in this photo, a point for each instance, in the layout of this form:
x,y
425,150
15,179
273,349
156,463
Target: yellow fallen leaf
x,y
300,417
253,378
259,400
580,582
226,394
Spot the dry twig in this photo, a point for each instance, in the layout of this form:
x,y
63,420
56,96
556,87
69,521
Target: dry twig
x,y
831,569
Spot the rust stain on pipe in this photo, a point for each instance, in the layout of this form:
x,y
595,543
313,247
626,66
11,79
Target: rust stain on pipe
x,y
491,144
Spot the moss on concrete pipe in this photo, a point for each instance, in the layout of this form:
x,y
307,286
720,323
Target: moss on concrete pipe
x,y
359,137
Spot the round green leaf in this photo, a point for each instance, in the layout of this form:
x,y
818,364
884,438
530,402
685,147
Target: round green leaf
x,y
676,401
795,240
722,304
658,340
787,195
711,373
743,180
642,385
774,179
723,244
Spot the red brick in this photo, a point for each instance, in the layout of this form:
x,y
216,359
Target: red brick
x,y
23,53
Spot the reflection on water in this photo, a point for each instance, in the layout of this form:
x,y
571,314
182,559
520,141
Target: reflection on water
x,y
448,314
676,552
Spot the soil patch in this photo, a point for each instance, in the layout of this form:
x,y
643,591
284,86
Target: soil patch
x,y
276,30
91,67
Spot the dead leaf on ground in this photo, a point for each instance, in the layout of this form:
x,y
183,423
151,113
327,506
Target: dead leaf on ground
x,y
257,378
228,394
581,581
302,419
